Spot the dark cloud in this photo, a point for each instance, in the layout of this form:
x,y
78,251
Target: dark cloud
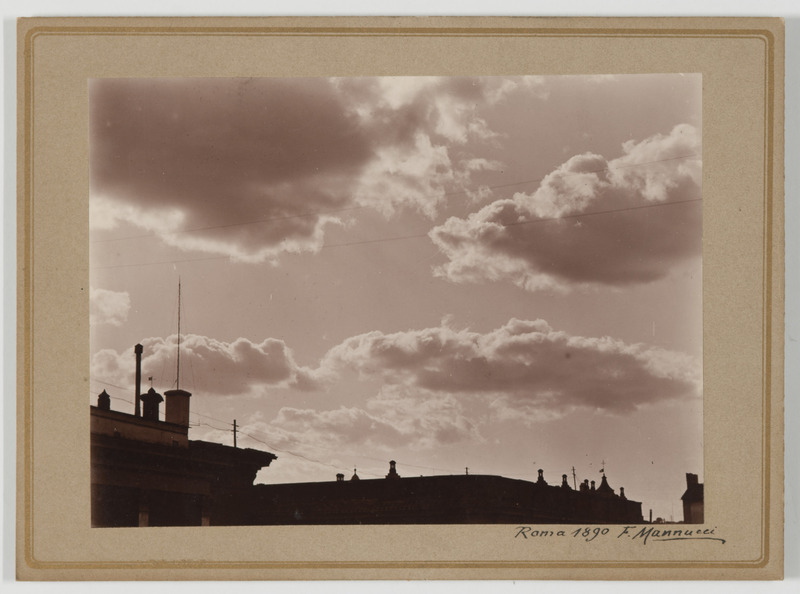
x,y
550,239
219,153
211,366
254,167
524,364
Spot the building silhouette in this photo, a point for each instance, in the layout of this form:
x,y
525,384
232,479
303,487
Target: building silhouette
x,y
147,472
444,499
693,501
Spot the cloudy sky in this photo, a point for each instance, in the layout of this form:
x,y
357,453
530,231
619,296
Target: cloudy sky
x,y
500,273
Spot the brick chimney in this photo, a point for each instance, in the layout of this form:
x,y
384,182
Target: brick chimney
x,y
138,353
177,407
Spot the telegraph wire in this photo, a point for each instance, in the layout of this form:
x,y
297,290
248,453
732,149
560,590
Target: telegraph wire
x,y
528,222
421,235
360,207
227,427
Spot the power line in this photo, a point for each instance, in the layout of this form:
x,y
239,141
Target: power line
x,y
226,428
360,207
421,235
242,223
527,222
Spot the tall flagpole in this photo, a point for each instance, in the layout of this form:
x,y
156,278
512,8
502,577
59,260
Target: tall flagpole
x,y
178,381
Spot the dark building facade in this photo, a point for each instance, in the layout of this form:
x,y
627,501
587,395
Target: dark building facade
x,y
693,500
453,499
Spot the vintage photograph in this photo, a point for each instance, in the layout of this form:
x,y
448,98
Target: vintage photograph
x,y
396,300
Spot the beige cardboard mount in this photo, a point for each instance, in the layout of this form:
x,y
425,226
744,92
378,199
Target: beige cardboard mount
x,y
741,62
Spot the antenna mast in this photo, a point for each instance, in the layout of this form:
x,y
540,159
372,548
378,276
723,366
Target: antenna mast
x,y
178,381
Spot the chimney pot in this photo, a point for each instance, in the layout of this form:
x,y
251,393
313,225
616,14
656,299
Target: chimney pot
x,y
177,407
138,349
150,402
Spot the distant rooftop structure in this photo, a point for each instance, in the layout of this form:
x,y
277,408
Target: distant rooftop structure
x,y
443,499
693,500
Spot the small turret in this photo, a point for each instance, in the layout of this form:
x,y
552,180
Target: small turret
x,y
392,471
150,402
104,401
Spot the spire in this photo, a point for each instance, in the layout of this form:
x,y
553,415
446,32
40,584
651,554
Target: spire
x,y
104,401
604,487
392,471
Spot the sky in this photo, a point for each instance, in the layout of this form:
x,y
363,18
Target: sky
x,y
498,274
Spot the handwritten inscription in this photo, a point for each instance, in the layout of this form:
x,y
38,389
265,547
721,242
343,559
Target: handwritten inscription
x,y
642,535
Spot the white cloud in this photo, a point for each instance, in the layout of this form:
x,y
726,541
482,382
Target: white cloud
x,y
588,223
524,364
238,368
108,307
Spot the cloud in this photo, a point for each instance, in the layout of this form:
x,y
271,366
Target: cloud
x,y
551,239
241,367
108,307
253,168
521,367
394,419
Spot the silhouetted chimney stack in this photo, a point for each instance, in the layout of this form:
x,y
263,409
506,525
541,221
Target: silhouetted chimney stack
x,y
392,470
104,401
137,406
150,402
177,407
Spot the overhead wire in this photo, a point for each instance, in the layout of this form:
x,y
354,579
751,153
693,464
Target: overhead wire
x,y
411,236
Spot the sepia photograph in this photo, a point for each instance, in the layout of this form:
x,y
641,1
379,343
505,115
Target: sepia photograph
x,y
396,300
400,299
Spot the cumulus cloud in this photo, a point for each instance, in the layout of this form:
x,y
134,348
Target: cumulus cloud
x,y
252,168
521,367
590,222
108,307
395,419
241,367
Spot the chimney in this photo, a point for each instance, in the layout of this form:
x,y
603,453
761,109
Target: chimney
x,y
177,407
392,471
691,480
339,478
104,401
150,402
138,351
564,482
540,480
